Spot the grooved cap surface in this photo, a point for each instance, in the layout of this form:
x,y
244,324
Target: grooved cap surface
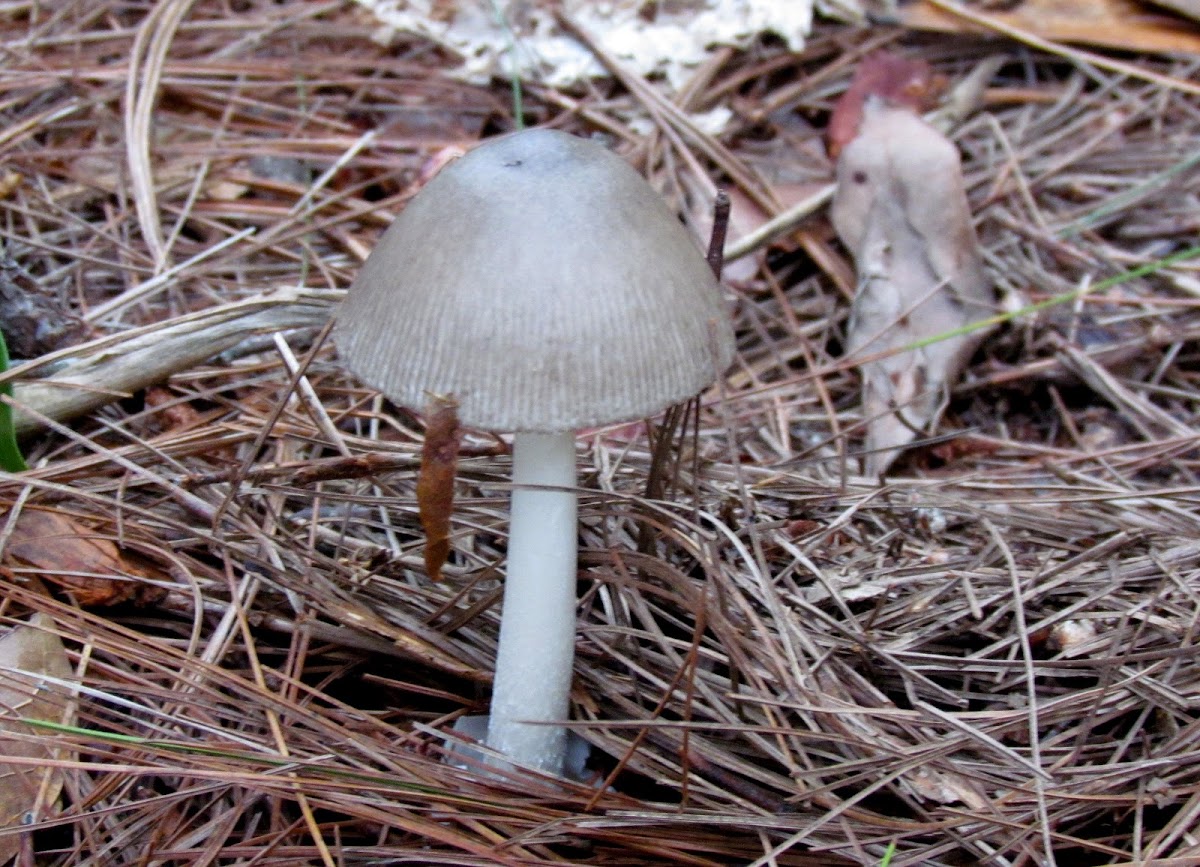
x,y
545,285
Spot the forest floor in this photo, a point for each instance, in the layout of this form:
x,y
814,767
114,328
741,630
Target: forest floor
x,y
990,656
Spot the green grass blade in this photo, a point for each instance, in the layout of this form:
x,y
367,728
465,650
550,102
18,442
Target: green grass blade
x,y
10,456
1054,300
514,74
888,855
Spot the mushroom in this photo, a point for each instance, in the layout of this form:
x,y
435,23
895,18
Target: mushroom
x,y
545,286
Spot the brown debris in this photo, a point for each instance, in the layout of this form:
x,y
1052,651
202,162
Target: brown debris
x,y
899,81
53,547
435,483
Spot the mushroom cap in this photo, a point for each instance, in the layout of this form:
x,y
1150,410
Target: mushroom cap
x,y
542,283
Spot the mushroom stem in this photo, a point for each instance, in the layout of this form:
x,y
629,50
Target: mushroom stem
x,y
537,627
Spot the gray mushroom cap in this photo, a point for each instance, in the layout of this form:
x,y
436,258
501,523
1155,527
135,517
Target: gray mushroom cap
x,y
545,285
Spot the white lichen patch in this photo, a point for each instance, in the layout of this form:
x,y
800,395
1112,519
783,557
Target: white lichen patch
x,y
661,39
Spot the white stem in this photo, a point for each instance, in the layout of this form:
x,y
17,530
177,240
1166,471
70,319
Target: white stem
x,y
537,626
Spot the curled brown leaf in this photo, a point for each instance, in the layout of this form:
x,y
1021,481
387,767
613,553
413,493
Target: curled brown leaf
x,y
898,81
435,485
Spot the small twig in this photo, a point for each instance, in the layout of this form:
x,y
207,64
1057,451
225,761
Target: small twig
x,y
720,227
118,365
780,224
308,396
265,432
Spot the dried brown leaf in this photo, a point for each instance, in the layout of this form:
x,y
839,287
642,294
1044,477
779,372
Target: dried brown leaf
x,y
26,654
1123,24
943,788
93,569
435,486
174,415
898,80
901,208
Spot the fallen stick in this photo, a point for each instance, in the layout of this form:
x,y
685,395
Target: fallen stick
x,y
116,366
